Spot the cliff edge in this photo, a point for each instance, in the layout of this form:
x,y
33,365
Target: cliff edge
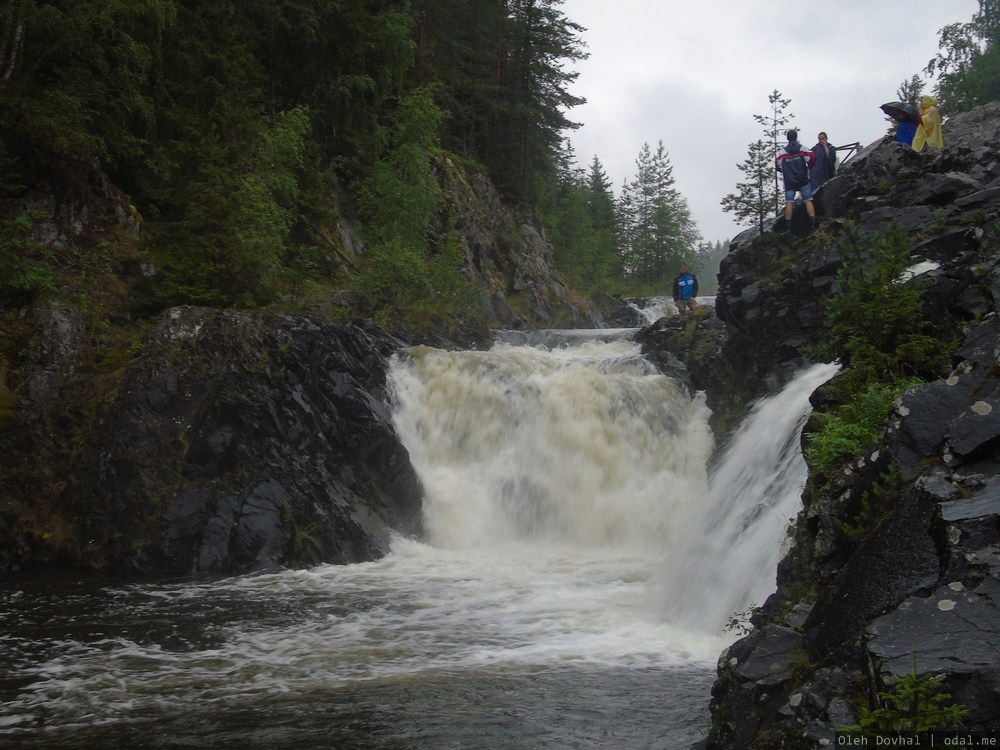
x,y
893,568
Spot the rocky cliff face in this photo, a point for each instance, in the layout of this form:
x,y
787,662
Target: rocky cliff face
x,y
508,254
894,565
240,441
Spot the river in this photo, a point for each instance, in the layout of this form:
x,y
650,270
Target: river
x,y
572,588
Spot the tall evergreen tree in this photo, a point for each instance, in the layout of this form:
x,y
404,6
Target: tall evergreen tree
x,y
583,221
505,83
761,195
602,197
534,93
461,45
346,61
73,78
908,92
911,90
604,221
753,201
775,124
659,232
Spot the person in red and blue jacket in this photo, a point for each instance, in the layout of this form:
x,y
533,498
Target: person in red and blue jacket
x,y
794,165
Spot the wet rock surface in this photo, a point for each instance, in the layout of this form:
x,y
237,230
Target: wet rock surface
x,y
240,441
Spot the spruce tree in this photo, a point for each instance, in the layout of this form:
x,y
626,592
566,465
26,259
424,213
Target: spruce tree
x,y
658,231
534,94
606,264
753,201
775,124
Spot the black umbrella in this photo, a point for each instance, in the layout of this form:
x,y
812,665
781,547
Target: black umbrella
x,y
900,111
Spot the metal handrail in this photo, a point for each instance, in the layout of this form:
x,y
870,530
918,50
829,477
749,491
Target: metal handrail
x,y
851,149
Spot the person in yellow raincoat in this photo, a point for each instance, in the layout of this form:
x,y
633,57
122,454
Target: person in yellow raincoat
x,y
929,129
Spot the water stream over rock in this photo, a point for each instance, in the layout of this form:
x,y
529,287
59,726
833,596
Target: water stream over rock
x,y
578,568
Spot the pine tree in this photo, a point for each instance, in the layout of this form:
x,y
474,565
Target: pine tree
x,y
534,93
604,222
658,231
909,92
775,124
583,228
753,200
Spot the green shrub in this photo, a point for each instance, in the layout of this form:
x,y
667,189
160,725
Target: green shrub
x,y
410,270
876,323
875,503
878,332
302,540
847,430
917,703
24,266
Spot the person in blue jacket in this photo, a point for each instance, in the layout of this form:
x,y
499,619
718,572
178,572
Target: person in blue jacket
x,y
685,291
906,130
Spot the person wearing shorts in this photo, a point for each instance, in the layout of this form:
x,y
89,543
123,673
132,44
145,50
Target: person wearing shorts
x,y
795,165
685,291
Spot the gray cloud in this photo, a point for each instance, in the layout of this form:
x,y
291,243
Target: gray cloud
x,y
694,74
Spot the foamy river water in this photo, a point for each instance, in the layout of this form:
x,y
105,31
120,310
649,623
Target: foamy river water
x,y
578,569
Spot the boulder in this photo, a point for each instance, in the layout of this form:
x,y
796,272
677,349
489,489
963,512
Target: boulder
x,y
240,441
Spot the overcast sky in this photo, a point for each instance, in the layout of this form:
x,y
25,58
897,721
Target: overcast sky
x,y
693,73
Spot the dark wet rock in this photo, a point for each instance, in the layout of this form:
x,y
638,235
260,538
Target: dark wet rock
x,y
769,657
507,252
986,502
52,355
694,353
241,441
903,551
618,313
954,630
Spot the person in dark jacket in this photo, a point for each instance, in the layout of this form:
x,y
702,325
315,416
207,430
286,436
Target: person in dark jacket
x,y
826,162
685,291
794,165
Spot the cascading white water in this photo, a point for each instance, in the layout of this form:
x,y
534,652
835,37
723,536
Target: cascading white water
x,y
578,568
732,546
588,446
654,308
584,446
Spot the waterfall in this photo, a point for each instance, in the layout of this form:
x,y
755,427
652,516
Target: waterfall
x,y
578,567
731,549
522,449
584,446
654,308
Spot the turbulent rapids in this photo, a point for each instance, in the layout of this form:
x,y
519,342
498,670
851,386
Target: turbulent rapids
x,y
584,447
580,562
588,447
